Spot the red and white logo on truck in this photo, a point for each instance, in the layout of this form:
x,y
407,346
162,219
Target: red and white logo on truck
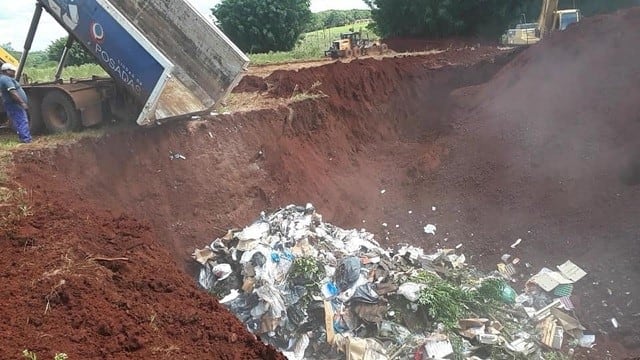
x,y
96,32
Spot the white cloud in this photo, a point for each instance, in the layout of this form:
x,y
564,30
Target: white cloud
x,y
14,24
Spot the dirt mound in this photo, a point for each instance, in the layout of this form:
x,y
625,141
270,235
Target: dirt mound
x,y
251,83
548,152
369,80
98,285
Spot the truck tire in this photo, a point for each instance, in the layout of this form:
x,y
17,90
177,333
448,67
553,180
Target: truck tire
x,y
348,53
59,113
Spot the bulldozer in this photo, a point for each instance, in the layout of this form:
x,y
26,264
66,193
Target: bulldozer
x,y
551,19
352,44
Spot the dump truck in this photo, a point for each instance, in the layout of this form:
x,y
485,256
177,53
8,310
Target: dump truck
x,y
165,61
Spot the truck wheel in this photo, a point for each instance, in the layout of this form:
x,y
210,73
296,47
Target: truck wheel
x,y
59,113
348,53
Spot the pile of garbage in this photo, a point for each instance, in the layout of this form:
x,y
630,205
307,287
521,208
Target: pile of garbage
x,y
314,290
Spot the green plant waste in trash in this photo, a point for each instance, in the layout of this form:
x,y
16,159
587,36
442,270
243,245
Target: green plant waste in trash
x,y
447,303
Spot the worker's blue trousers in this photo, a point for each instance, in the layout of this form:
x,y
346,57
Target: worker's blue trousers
x,y
20,121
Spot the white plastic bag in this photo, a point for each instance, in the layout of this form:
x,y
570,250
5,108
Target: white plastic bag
x,y
411,290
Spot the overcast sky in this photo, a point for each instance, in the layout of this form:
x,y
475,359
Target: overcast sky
x,y
14,20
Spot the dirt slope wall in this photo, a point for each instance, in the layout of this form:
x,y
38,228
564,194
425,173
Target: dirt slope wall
x,y
311,152
551,146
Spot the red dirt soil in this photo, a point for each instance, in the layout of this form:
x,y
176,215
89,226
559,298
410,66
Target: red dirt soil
x,y
546,151
97,285
312,152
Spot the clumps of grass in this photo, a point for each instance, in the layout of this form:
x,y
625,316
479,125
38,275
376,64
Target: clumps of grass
x,y
46,74
312,92
27,354
443,301
14,204
306,270
447,302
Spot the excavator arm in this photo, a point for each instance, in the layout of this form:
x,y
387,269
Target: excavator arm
x,y
547,13
5,57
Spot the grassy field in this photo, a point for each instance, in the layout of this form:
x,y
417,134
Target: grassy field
x,y
77,72
311,46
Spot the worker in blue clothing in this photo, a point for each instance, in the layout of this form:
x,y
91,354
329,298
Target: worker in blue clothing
x,y
15,102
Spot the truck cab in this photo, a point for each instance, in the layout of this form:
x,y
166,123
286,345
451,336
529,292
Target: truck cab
x,y
563,18
522,34
531,33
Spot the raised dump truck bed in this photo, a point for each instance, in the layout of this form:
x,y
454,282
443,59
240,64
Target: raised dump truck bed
x,y
166,59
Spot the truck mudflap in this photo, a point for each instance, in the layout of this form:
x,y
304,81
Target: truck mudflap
x,y
168,57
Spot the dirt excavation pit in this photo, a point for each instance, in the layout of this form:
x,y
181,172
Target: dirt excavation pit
x,y
490,145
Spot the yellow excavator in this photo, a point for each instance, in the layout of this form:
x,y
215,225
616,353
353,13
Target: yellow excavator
x,y
551,19
6,57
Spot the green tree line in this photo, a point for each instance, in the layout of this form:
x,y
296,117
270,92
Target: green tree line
x,y
485,18
51,56
334,18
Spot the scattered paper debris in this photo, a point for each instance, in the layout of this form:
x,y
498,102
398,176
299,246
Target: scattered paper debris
x,y
177,156
571,271
548,279
587,341
515,244
551,334
430,229
438,347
